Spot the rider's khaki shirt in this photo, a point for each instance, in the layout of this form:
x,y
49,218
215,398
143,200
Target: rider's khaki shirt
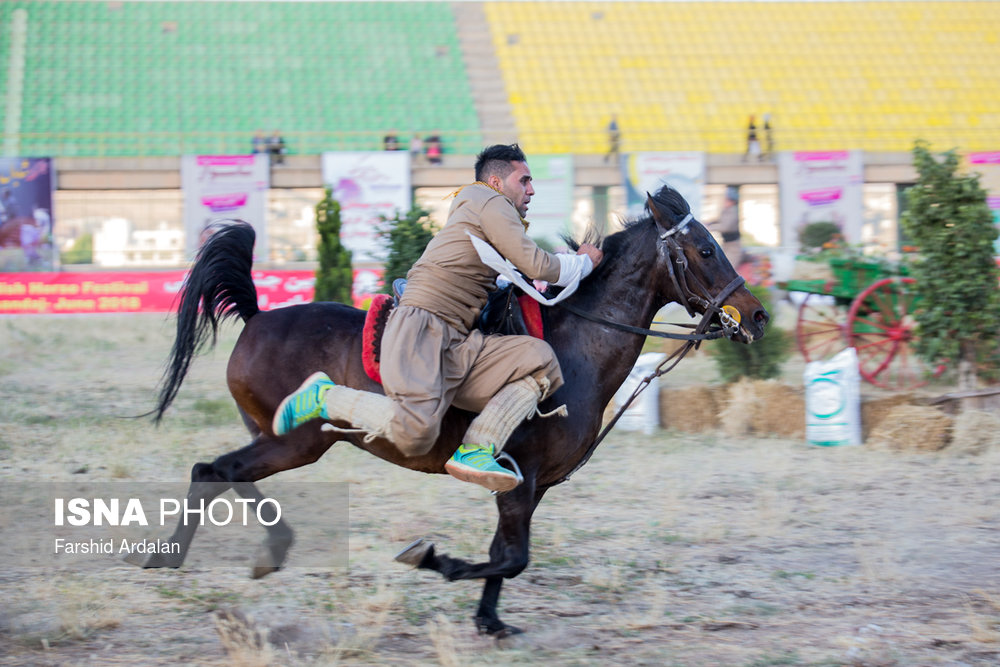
x,y
450,280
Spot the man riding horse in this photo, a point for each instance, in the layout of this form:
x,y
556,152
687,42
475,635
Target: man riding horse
x,y
432,357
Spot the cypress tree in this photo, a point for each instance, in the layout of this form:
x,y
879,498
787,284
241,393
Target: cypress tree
x,y
334,275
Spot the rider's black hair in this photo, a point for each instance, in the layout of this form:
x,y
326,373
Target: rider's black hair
x,y
497,160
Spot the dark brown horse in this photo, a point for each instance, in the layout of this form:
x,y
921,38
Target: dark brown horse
x,y
665,256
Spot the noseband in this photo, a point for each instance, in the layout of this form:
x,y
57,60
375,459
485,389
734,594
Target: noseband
x,y
669,246
681,278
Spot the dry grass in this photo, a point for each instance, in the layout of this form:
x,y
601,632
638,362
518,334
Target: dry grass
x,y
671,549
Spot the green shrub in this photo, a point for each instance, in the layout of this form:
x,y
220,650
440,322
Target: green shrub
x,y
814,236
82,251
950,221
406,237
761,360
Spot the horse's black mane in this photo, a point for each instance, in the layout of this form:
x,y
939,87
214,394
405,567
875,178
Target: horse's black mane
x,y
668,201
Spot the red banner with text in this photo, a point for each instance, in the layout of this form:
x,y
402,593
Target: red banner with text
x,y
131,291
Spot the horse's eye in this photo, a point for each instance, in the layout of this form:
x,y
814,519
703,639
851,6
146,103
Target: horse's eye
x,y
707,251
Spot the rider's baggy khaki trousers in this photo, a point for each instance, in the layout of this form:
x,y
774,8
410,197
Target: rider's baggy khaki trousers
x,y
428,365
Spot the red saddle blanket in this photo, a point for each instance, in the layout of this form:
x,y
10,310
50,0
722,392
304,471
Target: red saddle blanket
x,y
378,314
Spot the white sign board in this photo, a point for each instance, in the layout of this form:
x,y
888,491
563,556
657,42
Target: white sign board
x,y
648,172
821,186
224,187
369,186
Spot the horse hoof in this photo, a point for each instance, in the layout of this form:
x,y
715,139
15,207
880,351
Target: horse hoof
x,y
415,552
496,628
147,561
261,571
267,561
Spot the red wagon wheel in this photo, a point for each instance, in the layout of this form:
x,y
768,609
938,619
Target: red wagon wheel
x,y
880,325
819,331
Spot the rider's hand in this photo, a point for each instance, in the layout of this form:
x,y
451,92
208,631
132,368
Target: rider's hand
x,y
591,251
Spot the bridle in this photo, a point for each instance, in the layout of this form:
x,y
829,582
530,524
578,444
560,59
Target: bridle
x,y
682,280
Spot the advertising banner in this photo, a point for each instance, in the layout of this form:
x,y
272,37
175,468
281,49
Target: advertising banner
x,y
987,165
369,186
224,187
132,292
821,186
26,185
551,209
648,172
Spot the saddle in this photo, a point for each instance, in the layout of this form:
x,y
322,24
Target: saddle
x,y
508,312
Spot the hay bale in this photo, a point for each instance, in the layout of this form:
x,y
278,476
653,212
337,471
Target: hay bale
x,y
874,410
780,410
975,432
693,409
912,428
763,407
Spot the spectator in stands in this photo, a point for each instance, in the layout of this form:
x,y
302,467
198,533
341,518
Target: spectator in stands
x,y
434,149
390,142
614,139
416,148
276,147
259,142
753,144
768,138
728,226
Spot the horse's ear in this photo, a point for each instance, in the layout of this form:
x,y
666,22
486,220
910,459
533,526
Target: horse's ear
x,y
655,211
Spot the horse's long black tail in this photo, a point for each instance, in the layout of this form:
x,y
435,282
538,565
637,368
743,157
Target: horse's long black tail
x,y
219,286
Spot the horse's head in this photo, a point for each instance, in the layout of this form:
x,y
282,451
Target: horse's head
x,y
695,271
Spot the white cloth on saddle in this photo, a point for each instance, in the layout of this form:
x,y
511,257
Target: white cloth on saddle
x,y
572,269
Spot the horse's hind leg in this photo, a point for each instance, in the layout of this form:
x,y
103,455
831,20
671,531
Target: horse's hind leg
x,y
205,486
271,555
238,470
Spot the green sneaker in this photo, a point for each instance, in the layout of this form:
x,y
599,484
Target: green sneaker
x,y
475,463
308,402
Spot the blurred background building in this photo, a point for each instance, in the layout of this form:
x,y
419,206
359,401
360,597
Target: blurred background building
x,y
116,92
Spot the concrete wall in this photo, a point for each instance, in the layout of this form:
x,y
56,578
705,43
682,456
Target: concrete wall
x,y
304,171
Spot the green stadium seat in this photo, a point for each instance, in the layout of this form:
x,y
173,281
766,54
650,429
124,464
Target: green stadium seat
x,y
208,69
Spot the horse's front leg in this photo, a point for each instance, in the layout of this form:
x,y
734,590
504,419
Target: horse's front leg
x,y
487,620
509,555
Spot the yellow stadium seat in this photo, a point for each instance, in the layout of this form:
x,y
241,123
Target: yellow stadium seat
x,y
838,74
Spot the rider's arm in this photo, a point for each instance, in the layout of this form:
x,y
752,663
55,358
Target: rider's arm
x,y
501,225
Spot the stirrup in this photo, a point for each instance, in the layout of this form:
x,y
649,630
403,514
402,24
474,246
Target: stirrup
x,y
516,469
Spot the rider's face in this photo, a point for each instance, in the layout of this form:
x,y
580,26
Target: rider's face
x,y
517,187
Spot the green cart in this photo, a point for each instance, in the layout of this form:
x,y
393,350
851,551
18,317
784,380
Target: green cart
x,y
865,304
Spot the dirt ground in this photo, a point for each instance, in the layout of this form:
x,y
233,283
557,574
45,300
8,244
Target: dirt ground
x,y
668,549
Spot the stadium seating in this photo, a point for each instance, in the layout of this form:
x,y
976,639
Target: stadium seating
x,y
163,78
687,75
204,76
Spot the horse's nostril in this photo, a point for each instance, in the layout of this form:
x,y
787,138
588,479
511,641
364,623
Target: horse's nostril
x,y
761,317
